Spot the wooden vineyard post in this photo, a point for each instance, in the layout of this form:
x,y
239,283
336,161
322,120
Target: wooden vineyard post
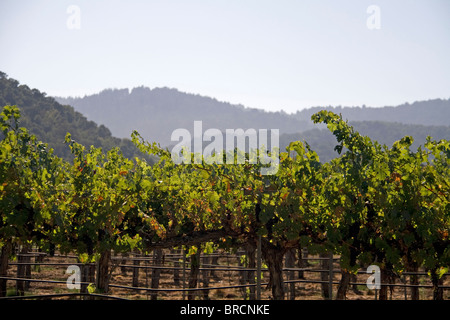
x,y
205,277
87,276
136,263
251,251
301,262
39,258
23,271
102,280
184,274
258,269
193,275
290,262
123,269
4,257
414,281
330,278
176,264
243,276
156,272
324,275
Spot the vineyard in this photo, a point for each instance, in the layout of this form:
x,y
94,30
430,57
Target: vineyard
x,y
373,205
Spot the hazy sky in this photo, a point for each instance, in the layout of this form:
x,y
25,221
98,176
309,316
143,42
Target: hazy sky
x,y
267,54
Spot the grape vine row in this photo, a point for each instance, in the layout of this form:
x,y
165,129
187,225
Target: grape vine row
x,y
374,204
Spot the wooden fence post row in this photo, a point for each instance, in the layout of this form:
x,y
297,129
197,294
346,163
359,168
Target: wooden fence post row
x,y
199,269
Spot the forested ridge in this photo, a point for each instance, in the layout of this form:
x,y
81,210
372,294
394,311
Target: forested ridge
x,y
50,121
157,112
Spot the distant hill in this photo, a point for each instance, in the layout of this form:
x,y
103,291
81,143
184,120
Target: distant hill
x,y
323,141
50,121
434,112
155,113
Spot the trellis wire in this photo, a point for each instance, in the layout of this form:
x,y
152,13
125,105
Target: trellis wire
x,y
215,267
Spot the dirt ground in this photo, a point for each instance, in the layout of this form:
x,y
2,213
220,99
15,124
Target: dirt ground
x,y
224,276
